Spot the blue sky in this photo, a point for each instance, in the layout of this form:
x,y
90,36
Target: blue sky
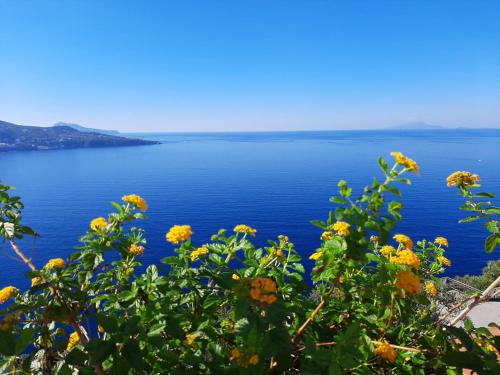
x,y
250,65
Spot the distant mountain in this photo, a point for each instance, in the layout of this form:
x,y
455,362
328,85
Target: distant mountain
x,y
88,130
417,125
18,137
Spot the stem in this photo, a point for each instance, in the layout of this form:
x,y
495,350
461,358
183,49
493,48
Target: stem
x,y
308,320
56,293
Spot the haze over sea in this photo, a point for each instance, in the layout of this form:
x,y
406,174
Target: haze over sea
x,y
276,182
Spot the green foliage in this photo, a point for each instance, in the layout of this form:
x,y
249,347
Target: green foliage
x,y
478,206
488,275
227,306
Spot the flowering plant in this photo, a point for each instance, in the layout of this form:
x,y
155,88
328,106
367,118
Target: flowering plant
x,y
227,306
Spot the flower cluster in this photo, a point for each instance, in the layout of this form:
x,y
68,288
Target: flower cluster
x,y
404,240
441,241
136,250
316,255
179,233
10,321
36,280
136,200
384,350
6,293
430,287
444,261
405,161
242,228
284,240
408,281
387,250
74,339
341,227
486,345
263,290
98,223
462,179
406,257
244,359
325,236
54,263
195,254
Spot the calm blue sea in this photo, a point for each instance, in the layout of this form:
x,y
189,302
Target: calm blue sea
x,y
276,182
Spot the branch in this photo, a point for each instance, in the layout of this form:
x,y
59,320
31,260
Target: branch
x,y
476,301
308,320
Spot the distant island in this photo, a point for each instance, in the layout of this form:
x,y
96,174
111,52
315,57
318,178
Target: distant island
x,y
87,130
416,125
19,137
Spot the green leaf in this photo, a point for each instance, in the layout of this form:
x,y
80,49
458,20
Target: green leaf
x,y
469,219
107,322
463,360
492,226
319,224
132,352
7,343
493,210
491,242
76,357
338,200
484,195
383,165
24,339
210,301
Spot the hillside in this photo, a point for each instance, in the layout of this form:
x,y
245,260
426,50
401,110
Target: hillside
x,y
19,137
87,130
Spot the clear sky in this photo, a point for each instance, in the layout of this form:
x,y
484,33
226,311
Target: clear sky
x,y
214,65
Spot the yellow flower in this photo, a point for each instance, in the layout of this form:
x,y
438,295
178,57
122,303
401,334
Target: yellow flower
x,y
10,320
404,240
54,263
486,345
263,289
373,238
195,254
188,341
235,353
385,350
7,293
100,328
254,359
74,339
341,227
98,223
441,241
387,250
405,161
284,240
235,276
444,261
462,179
137,201
325,236
316,255
179,233
36,280
431,288
408,281
406,257
242,228
135,250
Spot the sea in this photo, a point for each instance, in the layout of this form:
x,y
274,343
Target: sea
x,y
277,182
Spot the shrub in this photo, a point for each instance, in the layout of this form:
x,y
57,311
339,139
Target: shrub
x,y
227,306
